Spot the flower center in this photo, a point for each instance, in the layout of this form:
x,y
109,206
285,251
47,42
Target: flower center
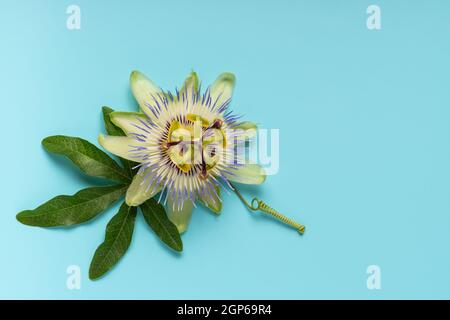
x,y
195,142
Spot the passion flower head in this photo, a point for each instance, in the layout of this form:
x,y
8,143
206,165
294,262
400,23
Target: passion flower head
x,y
187,145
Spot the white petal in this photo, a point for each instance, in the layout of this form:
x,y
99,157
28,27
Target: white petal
x,y
127,121
143,90
140,189
180,216
249,129
247,174
213,201
246,125
120,146
222,88
191,83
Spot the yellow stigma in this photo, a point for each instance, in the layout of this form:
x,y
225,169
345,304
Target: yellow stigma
x,y
192,143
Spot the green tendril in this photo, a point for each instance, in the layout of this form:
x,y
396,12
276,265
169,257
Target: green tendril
x,y
259,205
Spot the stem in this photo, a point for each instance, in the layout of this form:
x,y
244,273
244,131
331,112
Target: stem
x,y
259,205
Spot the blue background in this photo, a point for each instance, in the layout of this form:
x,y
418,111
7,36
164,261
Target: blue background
x,y
364,144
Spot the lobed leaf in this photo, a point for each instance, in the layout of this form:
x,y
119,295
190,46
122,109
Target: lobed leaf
x,y
119,233
90,159
70,210
156,217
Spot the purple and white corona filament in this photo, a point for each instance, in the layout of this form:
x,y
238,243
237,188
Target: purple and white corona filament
x,y
187,145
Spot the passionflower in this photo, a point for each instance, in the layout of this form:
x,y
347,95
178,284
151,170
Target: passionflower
x,y
179,149
187,145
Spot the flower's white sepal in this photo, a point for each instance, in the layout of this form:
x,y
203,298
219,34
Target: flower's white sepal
x,y
250,129
143,89
191,83
179,214
213,202
127,121
248,174
140,189
120,146
246,125
222,88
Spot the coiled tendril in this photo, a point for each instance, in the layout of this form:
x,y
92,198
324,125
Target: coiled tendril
x,y
259,205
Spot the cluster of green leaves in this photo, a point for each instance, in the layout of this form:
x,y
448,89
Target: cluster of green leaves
x,y
88,203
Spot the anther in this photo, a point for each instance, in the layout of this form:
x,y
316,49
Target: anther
x,y
217,124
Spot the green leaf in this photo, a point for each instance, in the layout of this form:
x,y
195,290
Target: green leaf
x,y
90,159
119,232
156,217
110,127
70,210
114,130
